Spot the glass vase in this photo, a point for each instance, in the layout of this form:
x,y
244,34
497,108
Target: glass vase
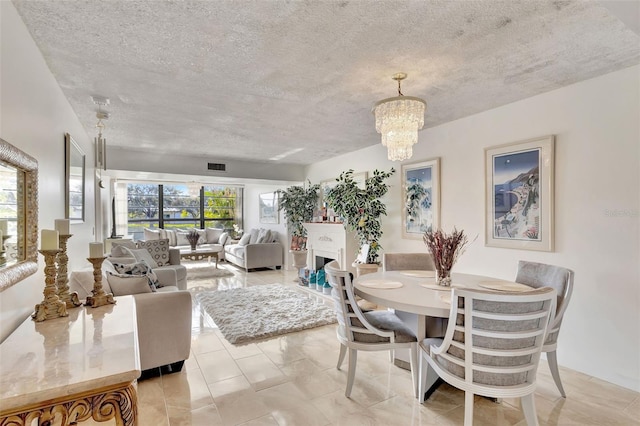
x,y
443,277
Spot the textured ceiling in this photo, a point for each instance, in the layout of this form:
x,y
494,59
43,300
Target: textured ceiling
x,y
252,80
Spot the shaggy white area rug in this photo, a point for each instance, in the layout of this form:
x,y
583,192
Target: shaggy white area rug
x,y
252,313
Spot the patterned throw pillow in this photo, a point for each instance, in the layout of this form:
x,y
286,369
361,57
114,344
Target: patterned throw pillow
x,y
158,249
140,269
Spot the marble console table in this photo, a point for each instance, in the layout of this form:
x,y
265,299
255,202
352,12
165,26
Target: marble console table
x,y
71,369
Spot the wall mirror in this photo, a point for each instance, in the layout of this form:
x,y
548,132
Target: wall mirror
x,y
18,214
74,180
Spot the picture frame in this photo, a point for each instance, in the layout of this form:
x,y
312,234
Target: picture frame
x,y
325,185
519,195
420,198
268,207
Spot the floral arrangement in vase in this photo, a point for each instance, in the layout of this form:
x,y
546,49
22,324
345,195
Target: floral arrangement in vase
x,y
237,232
445,250
193,238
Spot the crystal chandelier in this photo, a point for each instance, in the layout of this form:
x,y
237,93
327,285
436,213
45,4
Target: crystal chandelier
x,y
398,119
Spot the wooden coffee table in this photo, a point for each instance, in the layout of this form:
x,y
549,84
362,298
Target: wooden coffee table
x,y
201,253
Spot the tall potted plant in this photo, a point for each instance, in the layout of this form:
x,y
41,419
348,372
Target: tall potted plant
x,y
298,204
361,208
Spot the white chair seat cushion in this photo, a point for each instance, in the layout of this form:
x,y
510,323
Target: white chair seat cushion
x,y
387,321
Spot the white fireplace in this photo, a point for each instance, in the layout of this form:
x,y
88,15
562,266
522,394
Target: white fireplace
x,y
330,241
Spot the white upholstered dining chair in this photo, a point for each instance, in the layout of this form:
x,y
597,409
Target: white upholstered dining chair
x,y
366,331
561,279
492,346
435,327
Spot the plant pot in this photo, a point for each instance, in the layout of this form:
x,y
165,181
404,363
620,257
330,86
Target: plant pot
x,y
193,246
299,258
365,268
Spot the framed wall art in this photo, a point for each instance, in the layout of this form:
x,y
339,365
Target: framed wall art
x,y
420,198
325,185
519,195
269,208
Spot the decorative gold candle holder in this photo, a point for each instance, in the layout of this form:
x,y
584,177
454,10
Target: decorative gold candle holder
x,y
70,299
51,307
99,297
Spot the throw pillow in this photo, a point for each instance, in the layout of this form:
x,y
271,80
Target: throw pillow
x,y
264,236
143,255
140,269
253,234
246,238
171,235
181,238
117,247
203,236
159,250
223,238
151,234
128,284
213,235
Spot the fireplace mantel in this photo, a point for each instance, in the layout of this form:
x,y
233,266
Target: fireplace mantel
x,y
333,241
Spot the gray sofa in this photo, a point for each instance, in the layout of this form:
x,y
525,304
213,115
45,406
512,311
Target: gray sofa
x,y
258,248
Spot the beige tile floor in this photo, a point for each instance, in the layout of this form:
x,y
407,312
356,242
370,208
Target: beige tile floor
x,y
292,380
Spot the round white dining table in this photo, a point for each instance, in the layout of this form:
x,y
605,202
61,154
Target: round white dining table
x,y
418,297
418,294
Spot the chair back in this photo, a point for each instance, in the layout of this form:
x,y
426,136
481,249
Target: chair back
x,y
494,340
539,275
352,324
407,262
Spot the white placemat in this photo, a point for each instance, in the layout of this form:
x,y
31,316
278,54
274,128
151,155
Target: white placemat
x,y
505,286
441,287
380,284
419,274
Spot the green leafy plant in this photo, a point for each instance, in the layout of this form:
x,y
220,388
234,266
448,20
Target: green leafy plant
x,y
361,208
298,204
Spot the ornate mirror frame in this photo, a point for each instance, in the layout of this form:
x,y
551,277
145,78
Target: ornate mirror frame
x,y
27,215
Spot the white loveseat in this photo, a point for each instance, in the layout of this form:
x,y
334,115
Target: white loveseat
x,y
163,316
259,248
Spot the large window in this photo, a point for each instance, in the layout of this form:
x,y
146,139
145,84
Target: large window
x,y
176,206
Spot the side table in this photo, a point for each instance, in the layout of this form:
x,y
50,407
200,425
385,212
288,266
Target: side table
x,y
71,369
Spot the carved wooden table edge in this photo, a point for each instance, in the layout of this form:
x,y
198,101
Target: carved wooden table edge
x,y
119,402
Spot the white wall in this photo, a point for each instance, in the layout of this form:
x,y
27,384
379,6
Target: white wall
x,y
34,116
596,123
252,214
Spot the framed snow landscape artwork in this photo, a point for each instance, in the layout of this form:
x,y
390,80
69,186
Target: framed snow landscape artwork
x,y
519,195
420,198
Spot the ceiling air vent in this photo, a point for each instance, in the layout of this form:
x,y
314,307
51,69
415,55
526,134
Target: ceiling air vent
x,y
219,167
